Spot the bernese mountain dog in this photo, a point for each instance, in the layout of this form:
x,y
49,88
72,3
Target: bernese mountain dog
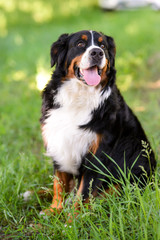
x,y
88,130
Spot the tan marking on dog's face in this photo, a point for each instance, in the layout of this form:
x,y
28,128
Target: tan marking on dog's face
x,y
104,79
84,37
75,61
100,39
104,70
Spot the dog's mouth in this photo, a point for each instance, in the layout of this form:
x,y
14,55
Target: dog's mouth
x,y
90,76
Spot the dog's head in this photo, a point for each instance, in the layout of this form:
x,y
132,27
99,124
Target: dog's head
x,y
87,56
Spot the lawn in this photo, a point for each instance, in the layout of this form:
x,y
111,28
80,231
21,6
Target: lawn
x,y
27,30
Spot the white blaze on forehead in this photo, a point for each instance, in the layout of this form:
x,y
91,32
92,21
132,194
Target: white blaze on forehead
x,y
92,40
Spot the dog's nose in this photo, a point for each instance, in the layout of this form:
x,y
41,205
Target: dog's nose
x,y
96,54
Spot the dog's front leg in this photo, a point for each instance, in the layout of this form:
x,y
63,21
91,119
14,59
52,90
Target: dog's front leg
x,y
60,187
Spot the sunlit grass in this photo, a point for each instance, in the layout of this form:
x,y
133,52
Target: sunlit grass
x,y
42,78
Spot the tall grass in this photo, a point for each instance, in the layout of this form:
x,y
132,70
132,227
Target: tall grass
x,y
132,213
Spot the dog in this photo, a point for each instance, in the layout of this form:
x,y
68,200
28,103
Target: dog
x,y
87,128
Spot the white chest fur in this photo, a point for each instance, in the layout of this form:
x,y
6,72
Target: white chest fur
x,y
66,142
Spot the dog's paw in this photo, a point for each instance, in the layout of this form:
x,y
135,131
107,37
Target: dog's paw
x,y
47,213
50,211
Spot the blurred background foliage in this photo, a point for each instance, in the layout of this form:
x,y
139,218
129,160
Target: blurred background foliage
x,y
40,11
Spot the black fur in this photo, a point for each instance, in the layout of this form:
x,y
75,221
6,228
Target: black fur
x,y
121,132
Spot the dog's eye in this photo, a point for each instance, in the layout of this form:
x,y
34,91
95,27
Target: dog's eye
x,y
81,44
102,46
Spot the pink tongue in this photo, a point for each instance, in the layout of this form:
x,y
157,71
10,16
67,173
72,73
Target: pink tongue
x,y
91,76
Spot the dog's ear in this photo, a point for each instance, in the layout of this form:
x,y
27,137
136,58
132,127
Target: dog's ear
x,y
59,50
111,50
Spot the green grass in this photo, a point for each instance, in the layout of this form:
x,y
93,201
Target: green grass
x,y
27,29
